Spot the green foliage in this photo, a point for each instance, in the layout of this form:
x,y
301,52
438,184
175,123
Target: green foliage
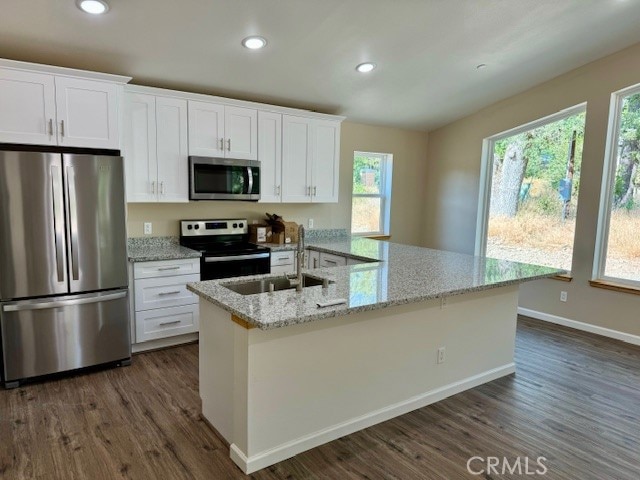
x,y
363,166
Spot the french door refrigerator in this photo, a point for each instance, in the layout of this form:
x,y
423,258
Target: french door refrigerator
x,y
63,263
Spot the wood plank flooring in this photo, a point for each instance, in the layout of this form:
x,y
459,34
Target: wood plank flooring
x,y
575,400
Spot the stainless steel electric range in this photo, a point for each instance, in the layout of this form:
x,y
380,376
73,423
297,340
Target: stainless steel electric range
x,y
225,247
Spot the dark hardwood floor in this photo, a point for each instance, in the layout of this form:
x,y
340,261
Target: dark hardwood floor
x,y
574,400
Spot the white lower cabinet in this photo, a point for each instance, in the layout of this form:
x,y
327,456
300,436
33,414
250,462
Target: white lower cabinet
x,y
163,305
330,260
283,262
326,260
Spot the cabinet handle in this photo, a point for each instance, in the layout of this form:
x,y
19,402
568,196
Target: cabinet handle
x,y
169,323
326,260
162,269
315,263
175,292
61,128
308,191
278,192
222,144
153,188
229,144
315,191
161,188
51,127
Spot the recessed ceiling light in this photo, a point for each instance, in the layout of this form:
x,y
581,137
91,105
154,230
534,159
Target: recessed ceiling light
x,y
365,67
94,7
254,42
480,66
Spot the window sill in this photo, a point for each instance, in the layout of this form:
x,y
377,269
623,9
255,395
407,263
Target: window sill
x,y
616,287
565,277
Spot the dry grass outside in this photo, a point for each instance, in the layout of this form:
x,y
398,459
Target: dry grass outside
x,y
529,230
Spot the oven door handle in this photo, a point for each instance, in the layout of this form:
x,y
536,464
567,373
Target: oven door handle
x,y
237,257
250,178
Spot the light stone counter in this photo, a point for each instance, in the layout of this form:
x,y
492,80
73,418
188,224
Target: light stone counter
x,y
403,274
151,249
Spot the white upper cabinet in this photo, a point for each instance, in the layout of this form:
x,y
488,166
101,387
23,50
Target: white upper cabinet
x,y
223,131
310,160
45,105
155,148
87,113
27,107
270,156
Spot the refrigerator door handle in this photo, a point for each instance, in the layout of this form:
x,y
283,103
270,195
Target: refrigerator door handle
x,y
73,222
58,219
18,307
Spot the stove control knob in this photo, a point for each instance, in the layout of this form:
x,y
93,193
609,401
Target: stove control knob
x,y
189,227
241,225
235,225
196,226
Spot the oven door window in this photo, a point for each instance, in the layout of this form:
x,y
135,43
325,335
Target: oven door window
x,y
225,267
223,179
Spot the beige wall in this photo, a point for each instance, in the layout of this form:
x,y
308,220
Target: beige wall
x,y
409,149
454,155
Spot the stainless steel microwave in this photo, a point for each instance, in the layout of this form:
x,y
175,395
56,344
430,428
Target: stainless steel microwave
x,y
223,179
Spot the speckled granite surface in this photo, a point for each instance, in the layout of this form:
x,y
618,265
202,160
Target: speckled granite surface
x,y
150,249
311,236
404,274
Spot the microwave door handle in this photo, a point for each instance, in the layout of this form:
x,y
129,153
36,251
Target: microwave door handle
x,y
250,183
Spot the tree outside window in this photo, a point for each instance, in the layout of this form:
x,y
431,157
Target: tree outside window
x,y
371,201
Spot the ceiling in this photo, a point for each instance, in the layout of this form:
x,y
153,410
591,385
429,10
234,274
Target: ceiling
x,y
426,50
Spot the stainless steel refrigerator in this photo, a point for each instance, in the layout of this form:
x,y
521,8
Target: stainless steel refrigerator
x,y
63,263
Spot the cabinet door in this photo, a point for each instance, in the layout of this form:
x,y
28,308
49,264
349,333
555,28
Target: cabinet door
x,y
27,108
270,156
241,133
326,161
173,170
140,155
206,129
330,260
296,155
166,322
87,113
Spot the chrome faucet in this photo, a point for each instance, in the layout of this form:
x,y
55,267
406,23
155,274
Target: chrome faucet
x,y
300,257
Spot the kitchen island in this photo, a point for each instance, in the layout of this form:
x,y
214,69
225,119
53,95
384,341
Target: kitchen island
x,y
279,375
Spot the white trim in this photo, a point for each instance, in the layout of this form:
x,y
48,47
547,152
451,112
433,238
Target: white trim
x,y
386,179
201,97
164,342
606,193
63,71
486,169
289,449
585,327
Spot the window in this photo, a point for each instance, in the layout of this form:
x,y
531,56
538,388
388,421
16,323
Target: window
x,y
618,248
529,191
371,203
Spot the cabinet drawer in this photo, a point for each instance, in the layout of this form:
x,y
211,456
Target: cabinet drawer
x,y
164,292
282,258
279,269
329,260
166,322
166,268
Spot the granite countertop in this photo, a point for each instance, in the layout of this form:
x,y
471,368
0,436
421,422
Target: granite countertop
x,y
150,249
402,274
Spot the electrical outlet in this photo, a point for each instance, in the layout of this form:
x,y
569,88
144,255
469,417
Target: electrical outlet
x,y
441,354
148,228
563,296
311,223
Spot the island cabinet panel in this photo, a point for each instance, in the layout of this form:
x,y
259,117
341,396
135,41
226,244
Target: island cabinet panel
x,y
275,393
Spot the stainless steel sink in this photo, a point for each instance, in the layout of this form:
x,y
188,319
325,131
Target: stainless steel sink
x,y
279,283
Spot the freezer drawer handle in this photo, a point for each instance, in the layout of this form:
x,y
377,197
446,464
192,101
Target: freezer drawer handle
x,y
64,303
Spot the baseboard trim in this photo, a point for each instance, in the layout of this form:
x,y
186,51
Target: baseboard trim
x,y
585,327
164,343
292,448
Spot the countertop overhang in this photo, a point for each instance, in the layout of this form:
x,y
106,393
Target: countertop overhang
x,y
401,274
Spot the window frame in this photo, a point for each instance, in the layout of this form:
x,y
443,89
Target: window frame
x,y
486,169
386,168
606,190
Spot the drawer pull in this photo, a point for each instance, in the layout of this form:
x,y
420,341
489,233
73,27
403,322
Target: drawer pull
x,y
283,259
162,269
326,260
175,292
169,323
